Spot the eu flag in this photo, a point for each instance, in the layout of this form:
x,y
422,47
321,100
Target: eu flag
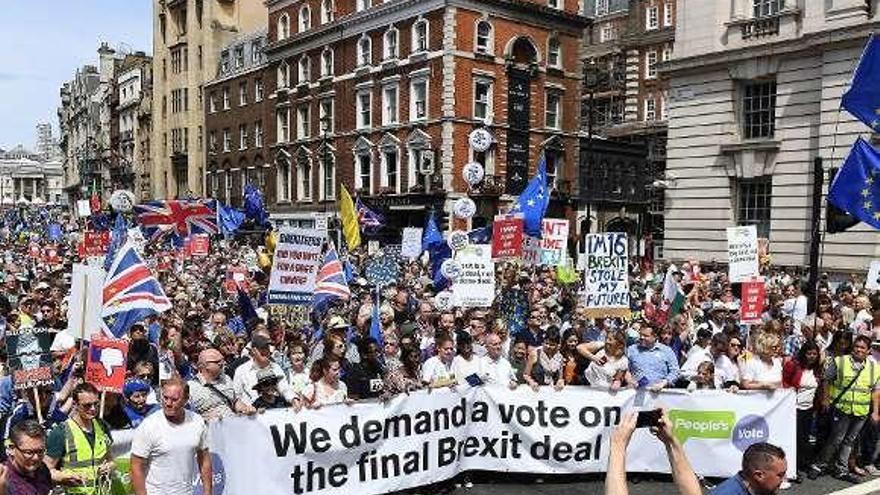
x,y
863,98
438,251
856,189
533,201
375,324
253,205
229,219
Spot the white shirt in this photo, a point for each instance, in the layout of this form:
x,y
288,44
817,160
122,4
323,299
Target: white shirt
x,y
602,376
500,371
169,451
757,370
462,368
246,377
695,358
436,372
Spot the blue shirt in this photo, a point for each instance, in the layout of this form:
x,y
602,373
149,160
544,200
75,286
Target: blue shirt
x,y
654,364
734,485
7,395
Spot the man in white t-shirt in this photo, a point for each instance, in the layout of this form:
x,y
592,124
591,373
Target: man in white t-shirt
x,y
495,366
167,448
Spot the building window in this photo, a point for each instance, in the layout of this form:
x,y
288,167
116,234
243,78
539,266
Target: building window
x,y
225,98
651,64
328,175
391,169
364,173
212,142
389,104
552,110
242,136
420,36
283,26
283,74
305,18
227,141
283,168
303,122
258,90
361,5
667,14
753,203
304,176
212,103
652,17
608,32
764,8
364,51
418,97
325,114
650,109
667,53
759,109
256,50
555,4
242,94
326,11
364,104
304,74
258,134
239,57
555,161
484,37
483,99
601,7
554,56
327,62
215,184
391,49
283,117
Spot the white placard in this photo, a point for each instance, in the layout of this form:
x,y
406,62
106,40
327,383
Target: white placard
x,y
551,248
606,283
475,287
873,280
295,265
411,242
742,253
86,300
83,208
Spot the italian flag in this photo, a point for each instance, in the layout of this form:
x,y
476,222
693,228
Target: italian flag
x,y
673,297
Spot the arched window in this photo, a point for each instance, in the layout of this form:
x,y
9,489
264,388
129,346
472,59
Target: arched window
x,y
365,51
305,18
303,175
484,38
304,74
391,44
283,75
326,11
327,62
554,53
283,26
282,165
328,173
420,36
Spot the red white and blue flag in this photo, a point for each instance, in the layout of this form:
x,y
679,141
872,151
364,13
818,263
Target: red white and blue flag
x,y
131,292
330,283
178,217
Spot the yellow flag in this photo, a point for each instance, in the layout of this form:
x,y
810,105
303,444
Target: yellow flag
x,y
350,226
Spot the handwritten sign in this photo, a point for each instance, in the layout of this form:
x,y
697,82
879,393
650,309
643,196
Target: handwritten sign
x,y
742,253
554,241
607,276
752,301
411,242
295,266
475,287
105,367
507,237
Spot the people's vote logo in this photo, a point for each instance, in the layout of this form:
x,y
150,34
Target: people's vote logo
x,y
750,429
218,475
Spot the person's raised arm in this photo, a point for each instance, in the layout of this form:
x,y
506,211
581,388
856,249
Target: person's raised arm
x,y
615,478
682,472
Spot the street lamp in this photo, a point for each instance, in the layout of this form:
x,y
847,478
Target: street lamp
x,y
591,84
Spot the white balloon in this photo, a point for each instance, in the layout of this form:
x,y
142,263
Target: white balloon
x,y
450,269
458,240
473,173
122,201
464,208
443,300
480,139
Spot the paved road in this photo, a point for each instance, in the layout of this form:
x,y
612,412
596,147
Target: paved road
x,y
594,484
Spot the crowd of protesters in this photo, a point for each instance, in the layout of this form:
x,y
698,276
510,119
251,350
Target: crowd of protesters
x,y
228,353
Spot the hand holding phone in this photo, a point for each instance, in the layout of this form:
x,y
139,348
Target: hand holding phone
x,y
648,419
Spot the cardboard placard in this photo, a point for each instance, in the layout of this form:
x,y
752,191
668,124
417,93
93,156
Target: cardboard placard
x,y
742,253
606,290
507,237
475,287
411,242
199,245
30,362
295,266
106,364
752,301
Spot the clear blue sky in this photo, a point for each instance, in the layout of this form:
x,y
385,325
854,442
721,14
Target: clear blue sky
x,y
42,42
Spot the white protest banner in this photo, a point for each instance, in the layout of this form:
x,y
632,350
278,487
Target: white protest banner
x,y
475,287
423,438
295,266
531,253
873,280
411,242
606,290
86,299
554,241
742,253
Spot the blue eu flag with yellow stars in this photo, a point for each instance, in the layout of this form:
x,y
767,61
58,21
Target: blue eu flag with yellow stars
x,y
533,201
856,188
862,99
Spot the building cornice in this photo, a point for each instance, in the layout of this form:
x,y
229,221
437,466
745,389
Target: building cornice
x,y
807,42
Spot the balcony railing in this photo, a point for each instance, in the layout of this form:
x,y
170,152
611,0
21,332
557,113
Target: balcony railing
x,y
492,185
759,27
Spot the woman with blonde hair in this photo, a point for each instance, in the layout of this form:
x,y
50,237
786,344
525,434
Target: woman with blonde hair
x,y
608,363
764,371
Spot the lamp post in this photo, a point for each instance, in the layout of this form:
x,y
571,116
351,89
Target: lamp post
x,y
591,83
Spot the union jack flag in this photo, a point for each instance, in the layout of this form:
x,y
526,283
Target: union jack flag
x,y
178,217
330,283
131,292
368,218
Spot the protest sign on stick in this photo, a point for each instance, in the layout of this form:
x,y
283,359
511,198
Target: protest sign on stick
x,y
411,242
106,364
86,299
742,253
507,237
475,287
606,291
752,301
30,362
295,266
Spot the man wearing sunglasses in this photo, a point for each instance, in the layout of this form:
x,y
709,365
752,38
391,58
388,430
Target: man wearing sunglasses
x,y
78,450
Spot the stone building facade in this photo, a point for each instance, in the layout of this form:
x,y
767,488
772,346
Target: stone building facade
x,y
129,137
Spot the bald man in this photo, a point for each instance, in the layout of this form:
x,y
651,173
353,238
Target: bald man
x,y
211,392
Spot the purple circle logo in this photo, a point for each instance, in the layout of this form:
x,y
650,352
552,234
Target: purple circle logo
x,y
749,430
218,475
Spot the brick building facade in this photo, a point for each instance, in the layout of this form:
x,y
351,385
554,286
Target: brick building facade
x,y
383,97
